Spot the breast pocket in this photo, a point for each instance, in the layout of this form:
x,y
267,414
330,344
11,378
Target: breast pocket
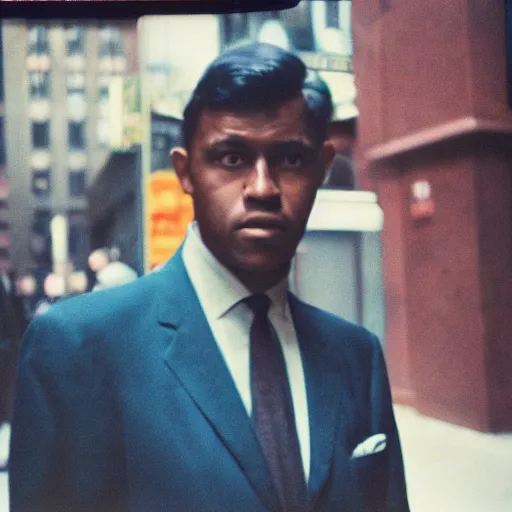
x,y
370,479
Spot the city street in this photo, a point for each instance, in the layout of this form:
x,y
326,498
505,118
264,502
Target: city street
x,y
449,468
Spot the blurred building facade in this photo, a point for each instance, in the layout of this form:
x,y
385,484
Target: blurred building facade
x,y
57,124
5,260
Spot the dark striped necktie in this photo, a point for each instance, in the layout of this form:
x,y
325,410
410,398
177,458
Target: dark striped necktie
x,y
272,409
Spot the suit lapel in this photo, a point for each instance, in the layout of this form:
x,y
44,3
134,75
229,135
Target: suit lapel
x,y
195,359
324,391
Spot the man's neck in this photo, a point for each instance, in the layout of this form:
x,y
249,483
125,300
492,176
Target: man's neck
x,y
260,282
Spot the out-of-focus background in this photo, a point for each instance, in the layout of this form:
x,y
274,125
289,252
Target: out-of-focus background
x,y
410,234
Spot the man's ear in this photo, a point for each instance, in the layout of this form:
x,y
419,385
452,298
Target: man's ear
x,y
180,163
328,156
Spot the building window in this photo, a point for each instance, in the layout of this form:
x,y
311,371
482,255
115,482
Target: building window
x,y
41,186
40,135
111,40
77,183
112,60
76,135
38,51
103,93
332,15
41,239
103,112
76,82
75,36
39,84
38,39
75,47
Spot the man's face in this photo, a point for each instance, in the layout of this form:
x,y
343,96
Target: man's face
x,y
253,179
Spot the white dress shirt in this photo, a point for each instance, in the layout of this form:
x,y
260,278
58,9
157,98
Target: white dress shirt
x,y
220,293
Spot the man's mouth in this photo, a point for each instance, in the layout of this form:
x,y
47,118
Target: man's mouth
x,y
262,227
263,223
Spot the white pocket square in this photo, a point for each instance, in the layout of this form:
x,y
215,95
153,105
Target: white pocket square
x,y
369,446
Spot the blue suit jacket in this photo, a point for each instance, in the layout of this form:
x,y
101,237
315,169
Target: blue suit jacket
x,y
124,403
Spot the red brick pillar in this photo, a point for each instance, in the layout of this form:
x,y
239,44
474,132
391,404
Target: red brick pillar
x,y
432,96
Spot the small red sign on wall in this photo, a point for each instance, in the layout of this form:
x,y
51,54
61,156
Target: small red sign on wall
x,y
422,205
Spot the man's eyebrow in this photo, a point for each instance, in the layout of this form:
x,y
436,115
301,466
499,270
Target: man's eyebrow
x,y
230,140
238,141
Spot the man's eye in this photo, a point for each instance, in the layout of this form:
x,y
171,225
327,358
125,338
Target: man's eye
x,y
232,160
293,161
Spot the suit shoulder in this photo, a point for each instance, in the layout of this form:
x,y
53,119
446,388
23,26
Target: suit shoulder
x,y
71,331
102,304
95,315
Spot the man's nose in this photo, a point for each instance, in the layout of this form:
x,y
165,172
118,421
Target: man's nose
x,y
261,184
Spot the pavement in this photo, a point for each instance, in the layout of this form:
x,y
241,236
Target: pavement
x,y
4,493
448,468
454,469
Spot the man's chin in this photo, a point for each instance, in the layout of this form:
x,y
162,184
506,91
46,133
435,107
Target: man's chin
x,y
262,261
255,261
261,265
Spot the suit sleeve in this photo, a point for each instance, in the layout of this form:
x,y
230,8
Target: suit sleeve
x,y
67,453
394,486
36,470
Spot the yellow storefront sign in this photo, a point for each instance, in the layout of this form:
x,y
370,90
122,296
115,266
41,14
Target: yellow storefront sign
x,y
168,212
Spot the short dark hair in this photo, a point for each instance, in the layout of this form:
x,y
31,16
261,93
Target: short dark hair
x,y
254,78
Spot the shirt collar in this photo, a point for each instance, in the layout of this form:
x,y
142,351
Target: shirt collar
x,y
218,289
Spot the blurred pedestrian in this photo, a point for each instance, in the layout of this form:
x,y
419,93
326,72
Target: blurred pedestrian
x,y
11,327
114,274
109,271
26,290
98,259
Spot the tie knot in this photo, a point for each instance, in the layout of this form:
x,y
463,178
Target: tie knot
x,y
259,303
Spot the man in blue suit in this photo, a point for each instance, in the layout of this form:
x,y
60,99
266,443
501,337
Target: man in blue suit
x,y
207,386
